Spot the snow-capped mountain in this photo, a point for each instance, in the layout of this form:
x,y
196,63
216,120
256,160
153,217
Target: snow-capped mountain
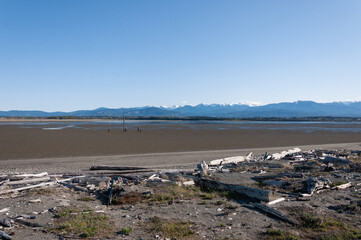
x,y
284,109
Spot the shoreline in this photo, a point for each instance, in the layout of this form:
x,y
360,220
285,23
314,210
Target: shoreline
x,y
166,160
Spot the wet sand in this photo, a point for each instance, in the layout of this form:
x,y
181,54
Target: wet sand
x,y
17,142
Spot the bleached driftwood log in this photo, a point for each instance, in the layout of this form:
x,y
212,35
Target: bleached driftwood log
x,y
276,201
250,192
16,177
37,175
278,156
27,181
228,160
4,210
28,187
343,186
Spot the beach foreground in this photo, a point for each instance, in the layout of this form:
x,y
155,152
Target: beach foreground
x,y
294,194
172,200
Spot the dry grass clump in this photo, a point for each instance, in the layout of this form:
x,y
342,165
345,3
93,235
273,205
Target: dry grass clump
x,y
130,198
327,228
83,223
278,234
87,199
170,228
44,191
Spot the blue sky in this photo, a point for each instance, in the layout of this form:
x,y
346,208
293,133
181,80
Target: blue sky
x,y
68,55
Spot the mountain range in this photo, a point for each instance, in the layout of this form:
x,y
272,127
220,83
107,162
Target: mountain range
x,y
284,109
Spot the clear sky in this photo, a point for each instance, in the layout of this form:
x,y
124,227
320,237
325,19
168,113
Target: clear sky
x,y
67,55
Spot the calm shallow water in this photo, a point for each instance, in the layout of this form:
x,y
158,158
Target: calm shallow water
x,y
196,125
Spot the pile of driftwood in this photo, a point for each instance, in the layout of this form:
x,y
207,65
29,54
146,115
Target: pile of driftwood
x,y
305,166
274,174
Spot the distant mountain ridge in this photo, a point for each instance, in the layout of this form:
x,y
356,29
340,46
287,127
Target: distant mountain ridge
x,y
284,109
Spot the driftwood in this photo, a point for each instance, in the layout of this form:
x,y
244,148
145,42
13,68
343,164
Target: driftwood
x,y
37,175
22,176
26,181
120,172
110,192
28,187
4,210
228,160
274,213
103,167
278,156
71,186
255,193
342,186
4,235
335,161
315,184
276,201
203,168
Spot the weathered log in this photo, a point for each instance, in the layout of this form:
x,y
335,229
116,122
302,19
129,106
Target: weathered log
x,y
4,235
37,175
104,167
276,201
4,210
250,192
316,184
342,186
228,160
31,180
77,188
22,176
35,200
274,213
278,156
119,172
27,187
335,161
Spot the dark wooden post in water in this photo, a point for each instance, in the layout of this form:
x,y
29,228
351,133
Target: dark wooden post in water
x,y
109,124
124,127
